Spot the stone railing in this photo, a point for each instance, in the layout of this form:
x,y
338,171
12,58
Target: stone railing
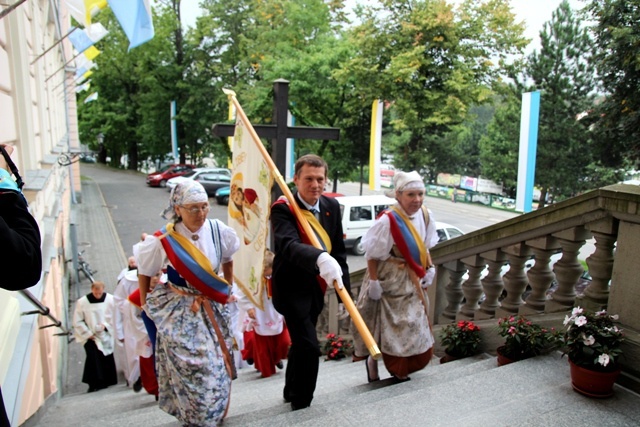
x,y
483,275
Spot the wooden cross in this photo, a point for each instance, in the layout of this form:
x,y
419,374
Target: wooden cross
x,y
279,132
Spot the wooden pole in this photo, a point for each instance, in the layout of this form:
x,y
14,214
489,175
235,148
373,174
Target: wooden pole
x,y
279,179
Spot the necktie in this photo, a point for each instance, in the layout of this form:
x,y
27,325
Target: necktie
x,y
315,213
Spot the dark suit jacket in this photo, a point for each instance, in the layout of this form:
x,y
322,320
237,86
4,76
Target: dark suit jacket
x,y
20,255
296,291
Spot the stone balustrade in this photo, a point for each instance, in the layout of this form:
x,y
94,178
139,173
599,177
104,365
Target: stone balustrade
x,y
471,281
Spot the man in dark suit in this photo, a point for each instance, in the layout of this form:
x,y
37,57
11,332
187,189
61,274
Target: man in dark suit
x,y
298,269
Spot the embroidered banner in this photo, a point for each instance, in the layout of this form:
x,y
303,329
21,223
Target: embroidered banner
x,y
249,201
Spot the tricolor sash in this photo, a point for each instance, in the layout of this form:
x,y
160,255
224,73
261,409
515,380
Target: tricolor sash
x,y
193,265
408,241
317,228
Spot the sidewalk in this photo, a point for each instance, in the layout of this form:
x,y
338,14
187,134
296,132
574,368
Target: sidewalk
x,y
98,238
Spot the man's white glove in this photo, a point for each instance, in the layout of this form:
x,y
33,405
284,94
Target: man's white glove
x,y
375,290
427,279
100,328
330,270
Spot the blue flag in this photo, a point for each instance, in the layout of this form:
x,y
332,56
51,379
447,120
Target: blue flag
x,y
135,19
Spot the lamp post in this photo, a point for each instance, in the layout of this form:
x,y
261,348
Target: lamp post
x,y
102,154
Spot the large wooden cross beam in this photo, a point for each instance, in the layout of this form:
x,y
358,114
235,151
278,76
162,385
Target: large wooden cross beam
x,y
280,131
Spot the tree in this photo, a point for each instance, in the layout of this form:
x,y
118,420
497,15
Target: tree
x,y
616,34
499,146
432,62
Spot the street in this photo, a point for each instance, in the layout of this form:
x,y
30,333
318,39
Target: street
x,y
135,207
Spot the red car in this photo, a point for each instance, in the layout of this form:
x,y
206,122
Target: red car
x,y
160,178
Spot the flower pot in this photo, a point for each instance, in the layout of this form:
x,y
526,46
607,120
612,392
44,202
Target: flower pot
x,y
502,359
592,383
448,358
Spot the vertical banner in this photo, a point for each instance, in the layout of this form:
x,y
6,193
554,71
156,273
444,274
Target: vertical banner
x,y
528,149
174,133
231,116
291,145
249,202
375,144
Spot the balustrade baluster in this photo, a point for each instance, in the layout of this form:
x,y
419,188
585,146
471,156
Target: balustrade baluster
x,y
492,284
515,281
600,265
453,291
471,288
568,269
540,275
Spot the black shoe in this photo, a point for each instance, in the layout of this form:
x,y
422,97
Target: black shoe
x,y
250,361
280,365
137,386
297,407
366,363
92,389
401,380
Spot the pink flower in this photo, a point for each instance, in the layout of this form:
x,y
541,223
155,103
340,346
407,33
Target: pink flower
x,y
581,321
603,359
590,340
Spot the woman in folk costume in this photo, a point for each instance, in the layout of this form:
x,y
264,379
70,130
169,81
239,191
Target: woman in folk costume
x,y
193,341
93,327
393,301
266,338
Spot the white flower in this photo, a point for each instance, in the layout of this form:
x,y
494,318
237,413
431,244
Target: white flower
x,y
590,340
603,359
615,317
576,311
601,313
567,319
581,321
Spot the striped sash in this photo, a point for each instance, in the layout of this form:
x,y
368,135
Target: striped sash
x,y
408,241
193,265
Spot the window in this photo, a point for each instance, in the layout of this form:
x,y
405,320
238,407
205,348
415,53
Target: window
x,y
453,232
361,213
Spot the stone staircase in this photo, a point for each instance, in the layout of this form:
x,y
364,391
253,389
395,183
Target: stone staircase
x,y
468,392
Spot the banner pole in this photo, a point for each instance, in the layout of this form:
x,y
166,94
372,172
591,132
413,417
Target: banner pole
x,y
370,343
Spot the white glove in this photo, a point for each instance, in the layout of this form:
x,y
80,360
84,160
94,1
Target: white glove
x,y
375,290
427,279
100,328
330,270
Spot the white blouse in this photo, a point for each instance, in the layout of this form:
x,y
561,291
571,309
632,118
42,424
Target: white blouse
x,y
151,257
377,242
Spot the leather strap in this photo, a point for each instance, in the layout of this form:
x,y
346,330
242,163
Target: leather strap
x,y
200,300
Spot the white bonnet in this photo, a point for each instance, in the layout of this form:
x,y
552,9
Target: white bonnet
x,y
405,181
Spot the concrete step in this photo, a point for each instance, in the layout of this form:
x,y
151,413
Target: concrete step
x,y
467,392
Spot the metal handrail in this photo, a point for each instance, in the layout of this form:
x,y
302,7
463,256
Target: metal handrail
x,y
44,311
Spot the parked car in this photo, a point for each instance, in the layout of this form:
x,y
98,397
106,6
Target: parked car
x,y
447,231
212,182
222,195
194,174
160,178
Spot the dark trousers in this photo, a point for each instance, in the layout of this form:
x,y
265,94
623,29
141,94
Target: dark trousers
x,y
303,361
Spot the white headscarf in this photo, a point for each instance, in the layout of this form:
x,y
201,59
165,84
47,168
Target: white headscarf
x,y
184,193
405,181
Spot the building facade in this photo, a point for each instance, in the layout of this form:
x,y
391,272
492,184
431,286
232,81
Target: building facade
x,y
38,116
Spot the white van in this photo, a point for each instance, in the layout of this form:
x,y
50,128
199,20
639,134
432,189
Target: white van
x,y
359,213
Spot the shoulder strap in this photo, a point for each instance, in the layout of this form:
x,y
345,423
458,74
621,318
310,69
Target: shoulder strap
x,y
217,240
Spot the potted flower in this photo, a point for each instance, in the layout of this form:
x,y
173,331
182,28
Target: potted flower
x,y
592,343
336,347
460,340
524,339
